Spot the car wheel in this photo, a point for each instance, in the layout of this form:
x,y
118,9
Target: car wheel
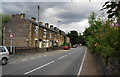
x,y
4,61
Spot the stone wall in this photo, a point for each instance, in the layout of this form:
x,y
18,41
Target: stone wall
x,y
20,28
33,49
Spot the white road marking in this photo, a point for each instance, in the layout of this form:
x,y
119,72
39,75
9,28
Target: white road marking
x,y
11,62
62,56
39,67
24,59
39,56
45,55
75,51
82,63
32,58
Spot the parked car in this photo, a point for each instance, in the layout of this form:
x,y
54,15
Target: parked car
x,y
4,55
75,46
66,47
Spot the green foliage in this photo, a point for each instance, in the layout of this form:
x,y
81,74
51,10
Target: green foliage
x,y
92,18
73,35
66,44
75,38
103,39
113,9
3,20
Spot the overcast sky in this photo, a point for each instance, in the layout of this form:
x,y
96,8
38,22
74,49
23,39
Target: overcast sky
x,y
72,15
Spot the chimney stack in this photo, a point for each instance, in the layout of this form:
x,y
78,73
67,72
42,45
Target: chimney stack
x,y
33,19
51,27
13,15
47,25
40,23
22,15
55,28
58,30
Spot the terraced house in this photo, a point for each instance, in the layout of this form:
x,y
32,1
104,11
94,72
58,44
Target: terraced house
x,y
25,33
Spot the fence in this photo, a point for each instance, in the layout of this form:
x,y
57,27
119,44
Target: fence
x,y
31,49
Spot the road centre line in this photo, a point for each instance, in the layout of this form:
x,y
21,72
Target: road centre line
x,y
39,67
24,59
45,55
11,62
39,56
62,56
32,58
82,63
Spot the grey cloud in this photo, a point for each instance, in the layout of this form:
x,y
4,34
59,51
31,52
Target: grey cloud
x,y
67,12
69,17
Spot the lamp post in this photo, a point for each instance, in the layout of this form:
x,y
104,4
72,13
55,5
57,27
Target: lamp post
x,y
58,24
58,33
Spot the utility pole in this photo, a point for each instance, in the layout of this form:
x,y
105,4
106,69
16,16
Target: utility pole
x,y
37,31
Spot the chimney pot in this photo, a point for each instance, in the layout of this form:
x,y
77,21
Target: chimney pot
x,y
47,25
33,19
51,27
22,15
55,28
13,15
40,23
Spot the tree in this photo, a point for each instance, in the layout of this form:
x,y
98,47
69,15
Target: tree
x,y
81,39
73,35
3,20
92,18
113,9
75,38
103,39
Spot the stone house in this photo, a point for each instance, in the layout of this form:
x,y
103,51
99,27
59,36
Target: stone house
x,y
25,33
23,30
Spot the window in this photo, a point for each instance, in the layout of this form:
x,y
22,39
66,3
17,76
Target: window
x,y
2,49
50,35
45,33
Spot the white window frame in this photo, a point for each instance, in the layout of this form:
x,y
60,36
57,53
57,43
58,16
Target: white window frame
x,y
50,35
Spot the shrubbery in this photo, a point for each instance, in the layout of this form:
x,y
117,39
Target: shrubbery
x,y
103,39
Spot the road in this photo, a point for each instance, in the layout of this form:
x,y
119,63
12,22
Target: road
x,y
62,62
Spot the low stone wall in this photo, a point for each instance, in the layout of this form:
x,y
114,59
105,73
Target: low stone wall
x,y
32,49
113,67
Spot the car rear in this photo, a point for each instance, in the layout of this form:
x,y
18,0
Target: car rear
x,y
66,47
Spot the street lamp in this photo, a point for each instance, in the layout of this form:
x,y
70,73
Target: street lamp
x,y
58,24
58,34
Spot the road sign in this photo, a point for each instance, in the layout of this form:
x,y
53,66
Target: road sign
x,y
11,35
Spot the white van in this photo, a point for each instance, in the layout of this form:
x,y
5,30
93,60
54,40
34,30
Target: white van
x,y
4,55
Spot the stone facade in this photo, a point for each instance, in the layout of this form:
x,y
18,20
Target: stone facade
x,y
23,30
25,33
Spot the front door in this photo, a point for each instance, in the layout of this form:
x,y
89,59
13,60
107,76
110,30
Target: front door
x,y
40,44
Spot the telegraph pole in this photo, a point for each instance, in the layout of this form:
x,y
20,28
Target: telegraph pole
x,y
37,32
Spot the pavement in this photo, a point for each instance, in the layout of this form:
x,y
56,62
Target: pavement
x,y
76,61
90,66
